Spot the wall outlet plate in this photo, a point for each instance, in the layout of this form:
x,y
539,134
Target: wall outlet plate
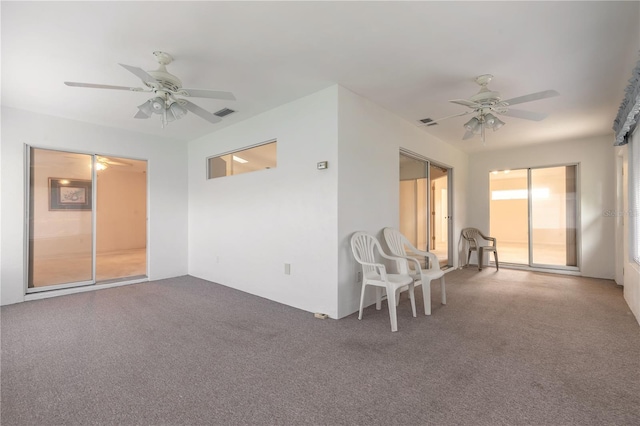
x,y
323,165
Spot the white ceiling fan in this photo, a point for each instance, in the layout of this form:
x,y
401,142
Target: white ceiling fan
x,y
165,88
486,104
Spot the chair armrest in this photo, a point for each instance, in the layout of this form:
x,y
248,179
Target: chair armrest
x,y
492,239
408,259
379,266
401,262
433,259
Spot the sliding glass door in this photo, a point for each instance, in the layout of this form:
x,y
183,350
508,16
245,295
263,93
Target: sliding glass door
x,y
86,219
425,206
553,216
60,219
534,216
121,219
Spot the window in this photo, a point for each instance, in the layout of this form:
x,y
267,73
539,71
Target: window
x,y
258,157
634,196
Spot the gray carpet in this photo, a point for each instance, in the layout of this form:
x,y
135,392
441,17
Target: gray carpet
x,y
510,348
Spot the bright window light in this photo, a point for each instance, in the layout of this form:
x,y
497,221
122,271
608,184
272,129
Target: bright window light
x,y
520,194
239,160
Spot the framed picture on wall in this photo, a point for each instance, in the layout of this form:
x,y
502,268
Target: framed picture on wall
x,y
69,194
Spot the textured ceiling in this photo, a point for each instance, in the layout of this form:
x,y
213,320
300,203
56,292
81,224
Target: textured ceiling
x,y
408,57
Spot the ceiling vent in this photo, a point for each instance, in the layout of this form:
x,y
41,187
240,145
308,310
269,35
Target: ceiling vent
x,y
428,122
223,112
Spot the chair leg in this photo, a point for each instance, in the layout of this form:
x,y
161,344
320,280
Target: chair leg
x,y
412,297
379,298
469,257
480,258
392,310
443,291
426,296
361,300
397,298
495,255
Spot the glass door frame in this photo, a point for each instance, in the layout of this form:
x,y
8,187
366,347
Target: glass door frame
x,y
530,263
450,213
94,212
577,219
28,207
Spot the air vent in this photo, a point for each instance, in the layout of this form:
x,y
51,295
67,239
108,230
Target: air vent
x,y
428,122
223,112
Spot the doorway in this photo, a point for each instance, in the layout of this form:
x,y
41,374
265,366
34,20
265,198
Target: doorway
x,y
86,219
533,215
425,206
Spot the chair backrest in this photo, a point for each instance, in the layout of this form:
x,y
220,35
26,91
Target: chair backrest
x,y
363,247
471,235
396,241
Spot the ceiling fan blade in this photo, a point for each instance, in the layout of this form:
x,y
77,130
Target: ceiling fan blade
x,y
433,122
142,74
202,93
141,114
467,135
532,97
102,86
465,102
202,113
527,115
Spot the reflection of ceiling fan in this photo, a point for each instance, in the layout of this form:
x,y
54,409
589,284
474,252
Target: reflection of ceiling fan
x,y
101,161
486,103
165,88
104,162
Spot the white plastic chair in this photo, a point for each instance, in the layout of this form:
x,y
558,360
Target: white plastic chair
x,y
472,235
397,243
375,274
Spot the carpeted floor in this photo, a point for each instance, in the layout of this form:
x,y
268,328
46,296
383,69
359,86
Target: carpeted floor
x,y
509,348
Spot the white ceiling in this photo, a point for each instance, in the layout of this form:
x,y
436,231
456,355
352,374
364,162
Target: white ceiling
x,y
408,57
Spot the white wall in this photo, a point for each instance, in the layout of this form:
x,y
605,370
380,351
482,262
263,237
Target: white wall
x,y
596,185
244,228
167,188
370,139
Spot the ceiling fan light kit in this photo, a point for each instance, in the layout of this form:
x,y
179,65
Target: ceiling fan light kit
x,y
165,88
486,103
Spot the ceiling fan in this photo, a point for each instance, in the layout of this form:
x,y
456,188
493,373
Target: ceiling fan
x,y
486,103
165,88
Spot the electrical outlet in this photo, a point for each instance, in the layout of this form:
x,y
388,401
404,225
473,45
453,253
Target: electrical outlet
x,y
287,269
359,276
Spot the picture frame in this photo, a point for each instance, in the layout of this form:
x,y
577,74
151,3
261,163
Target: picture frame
x,y
69,194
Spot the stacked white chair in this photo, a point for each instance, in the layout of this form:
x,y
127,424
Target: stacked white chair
x,y
364,247
397,244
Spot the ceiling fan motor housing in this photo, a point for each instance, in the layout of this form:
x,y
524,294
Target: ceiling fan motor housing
x,y
486,96
167,80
